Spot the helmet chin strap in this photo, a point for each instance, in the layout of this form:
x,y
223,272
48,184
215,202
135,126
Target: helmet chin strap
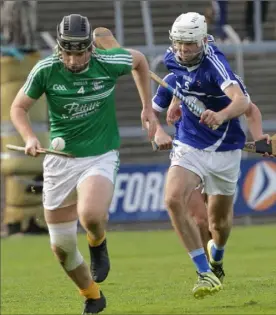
x,y
195,61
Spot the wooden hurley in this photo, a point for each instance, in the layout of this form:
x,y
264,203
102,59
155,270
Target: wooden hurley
x,y
104,39
259,146
40,151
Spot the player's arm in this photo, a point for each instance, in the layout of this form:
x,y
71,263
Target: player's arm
x,y
161,138
253,116
238,106
140,72
222,76
23,101
124,61
160,103
19,114
254,122
19,117
239,103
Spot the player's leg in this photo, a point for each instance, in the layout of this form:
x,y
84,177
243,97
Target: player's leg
x,y
95,192
62,224
198,209
180,185
186,173
220,212
221,186
94,198
220,209
179,188
60,177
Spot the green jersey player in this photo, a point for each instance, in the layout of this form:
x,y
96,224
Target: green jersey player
x,y
79,82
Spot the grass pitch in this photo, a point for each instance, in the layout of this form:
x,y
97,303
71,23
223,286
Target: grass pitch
x,y
151,274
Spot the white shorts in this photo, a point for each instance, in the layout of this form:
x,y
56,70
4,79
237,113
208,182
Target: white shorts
x,y
63,175
219,171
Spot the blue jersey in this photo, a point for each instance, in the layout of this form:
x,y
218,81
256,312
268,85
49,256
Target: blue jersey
x,y
207,82
163,97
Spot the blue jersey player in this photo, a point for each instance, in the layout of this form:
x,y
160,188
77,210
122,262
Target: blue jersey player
x,y
197,202
202,155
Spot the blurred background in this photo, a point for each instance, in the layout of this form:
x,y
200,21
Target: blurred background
x,y
244,30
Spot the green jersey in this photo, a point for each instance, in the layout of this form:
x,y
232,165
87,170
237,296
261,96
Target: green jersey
x,y
81,105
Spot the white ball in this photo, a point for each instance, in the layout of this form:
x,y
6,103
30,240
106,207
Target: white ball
x,y
58,144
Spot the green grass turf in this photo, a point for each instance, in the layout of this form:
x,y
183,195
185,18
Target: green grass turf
x,y
151,274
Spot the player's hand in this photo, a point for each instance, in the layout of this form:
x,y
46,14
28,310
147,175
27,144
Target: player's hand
x,y
266,137
149,122
162,139
31,146
174,111
210,118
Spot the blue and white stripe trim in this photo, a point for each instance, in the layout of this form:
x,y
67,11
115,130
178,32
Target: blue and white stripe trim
x,y
213,58
156,107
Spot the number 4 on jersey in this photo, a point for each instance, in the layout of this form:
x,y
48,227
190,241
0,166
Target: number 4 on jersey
x,y
81,90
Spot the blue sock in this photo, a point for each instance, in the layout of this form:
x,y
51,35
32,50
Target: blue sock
x,y
217,252
200,260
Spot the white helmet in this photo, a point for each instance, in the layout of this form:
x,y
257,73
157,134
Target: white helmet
x,y
189,27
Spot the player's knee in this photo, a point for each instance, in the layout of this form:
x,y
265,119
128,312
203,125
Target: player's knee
x,y
174,201
60,254
177,200
92,217
201,221
64,244
199,212
65,249
219,225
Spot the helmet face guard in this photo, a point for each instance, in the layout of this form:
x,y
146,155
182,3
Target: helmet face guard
x,y
74,39
187,56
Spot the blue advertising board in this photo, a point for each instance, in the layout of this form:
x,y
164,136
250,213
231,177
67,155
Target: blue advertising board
x,y
256,191
139,191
